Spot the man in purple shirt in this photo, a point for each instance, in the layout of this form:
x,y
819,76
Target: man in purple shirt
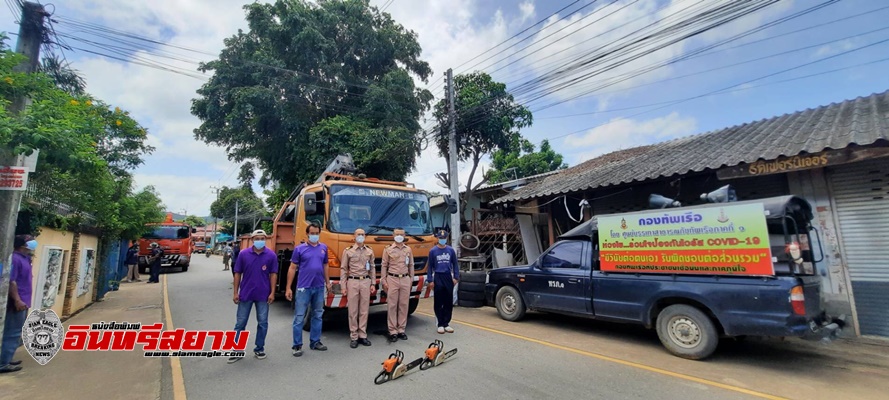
x,y
310,260
18,303
256,272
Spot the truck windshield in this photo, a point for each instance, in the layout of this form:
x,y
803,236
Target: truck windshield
x,y
378,210
168,232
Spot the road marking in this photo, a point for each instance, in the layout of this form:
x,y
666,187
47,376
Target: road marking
x,y
619,361
175,365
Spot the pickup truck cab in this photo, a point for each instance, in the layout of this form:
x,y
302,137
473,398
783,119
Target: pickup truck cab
x,y
690,310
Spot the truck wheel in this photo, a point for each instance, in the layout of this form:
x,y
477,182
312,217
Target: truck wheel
x,y
412,305
185,268
687,332
471,296
471,286
474,277
509,304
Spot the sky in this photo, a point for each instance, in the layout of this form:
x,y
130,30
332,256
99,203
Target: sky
x,y
780,69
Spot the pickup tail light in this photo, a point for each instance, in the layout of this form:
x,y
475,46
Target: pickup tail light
x,y
798,300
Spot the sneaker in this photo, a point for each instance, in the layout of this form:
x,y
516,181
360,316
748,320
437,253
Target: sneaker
x,y
297,351
16,362
402,336
318,346
440,329
448,329
393,338
353,344
10,368
259,354
233,360
364,342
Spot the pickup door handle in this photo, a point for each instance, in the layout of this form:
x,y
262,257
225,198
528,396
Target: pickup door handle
x,y
573,280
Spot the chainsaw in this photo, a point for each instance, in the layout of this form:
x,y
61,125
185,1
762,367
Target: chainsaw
x,y
436,355
394,367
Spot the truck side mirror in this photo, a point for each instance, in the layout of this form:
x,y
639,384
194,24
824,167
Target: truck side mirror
x,y
194,230
310,203
452,205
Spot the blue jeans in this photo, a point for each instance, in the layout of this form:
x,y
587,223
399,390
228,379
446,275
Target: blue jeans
x,y
262,321
304,298
12,333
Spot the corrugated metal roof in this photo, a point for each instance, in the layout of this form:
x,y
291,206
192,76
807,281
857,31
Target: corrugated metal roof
x,y
862,121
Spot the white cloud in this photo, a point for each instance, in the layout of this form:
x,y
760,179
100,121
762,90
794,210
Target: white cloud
x,y
834,48
626,133
527,9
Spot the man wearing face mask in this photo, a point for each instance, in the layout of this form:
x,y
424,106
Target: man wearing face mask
x,y
256,273
442,275
310,260
18,303
397,276
157,254
357,277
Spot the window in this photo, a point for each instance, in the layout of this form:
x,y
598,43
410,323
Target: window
x,y
378,211
168,232
319,215
567,254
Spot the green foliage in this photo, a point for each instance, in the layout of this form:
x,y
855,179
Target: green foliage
x,y
246,200
308,81
521,160
86,150
194,220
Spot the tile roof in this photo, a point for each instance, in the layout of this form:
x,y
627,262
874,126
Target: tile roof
x,y
862,121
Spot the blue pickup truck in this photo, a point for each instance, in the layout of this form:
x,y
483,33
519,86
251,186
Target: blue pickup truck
x,y
690,311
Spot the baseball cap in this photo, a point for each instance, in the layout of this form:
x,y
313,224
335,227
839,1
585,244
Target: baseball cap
x,y
258,232
441,234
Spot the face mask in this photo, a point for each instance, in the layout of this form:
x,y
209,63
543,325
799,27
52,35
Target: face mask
x,y
359,239
399,239
314,238
31,245
443,242
259,244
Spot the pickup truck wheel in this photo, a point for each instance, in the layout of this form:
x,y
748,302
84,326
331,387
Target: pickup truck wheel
x,y
509,304
687,332
412,305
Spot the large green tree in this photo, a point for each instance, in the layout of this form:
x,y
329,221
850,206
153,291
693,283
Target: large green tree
x,y
247,203
86,148
308,81
488,119
194,220
521,160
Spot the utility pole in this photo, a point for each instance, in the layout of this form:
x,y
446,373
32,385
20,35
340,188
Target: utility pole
x,y
215,220
30,39
235,232
452,164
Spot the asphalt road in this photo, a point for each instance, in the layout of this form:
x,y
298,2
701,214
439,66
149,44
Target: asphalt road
x,y
489,364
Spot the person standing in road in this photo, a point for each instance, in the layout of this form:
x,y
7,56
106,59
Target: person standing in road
x,y
226,256
398,276
357,277
157,255
310,260
20,280
132,262
256,273
443,273
236,249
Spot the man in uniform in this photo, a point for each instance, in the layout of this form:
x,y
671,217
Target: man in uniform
x,y
256,273
157,255
310,260
357,277
443,273
398,276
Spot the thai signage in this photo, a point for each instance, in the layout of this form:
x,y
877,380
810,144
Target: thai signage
x,y
801,162
13,178
722,240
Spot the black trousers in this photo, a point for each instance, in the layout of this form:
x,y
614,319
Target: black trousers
x,y
443,304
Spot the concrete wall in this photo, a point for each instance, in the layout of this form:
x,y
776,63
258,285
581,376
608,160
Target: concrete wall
x,y
50,272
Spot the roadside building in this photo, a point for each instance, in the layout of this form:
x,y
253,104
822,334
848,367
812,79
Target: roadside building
x,y
835,156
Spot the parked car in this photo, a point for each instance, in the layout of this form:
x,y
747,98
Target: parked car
x,y
611,268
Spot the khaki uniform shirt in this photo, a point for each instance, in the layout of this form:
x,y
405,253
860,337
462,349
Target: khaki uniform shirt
x,y
398,259
357,261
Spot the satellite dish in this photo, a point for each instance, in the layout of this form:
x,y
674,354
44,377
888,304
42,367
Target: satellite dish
x,y
658,201
724,194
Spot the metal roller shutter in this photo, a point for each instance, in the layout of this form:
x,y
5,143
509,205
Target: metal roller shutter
x,y
861,195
